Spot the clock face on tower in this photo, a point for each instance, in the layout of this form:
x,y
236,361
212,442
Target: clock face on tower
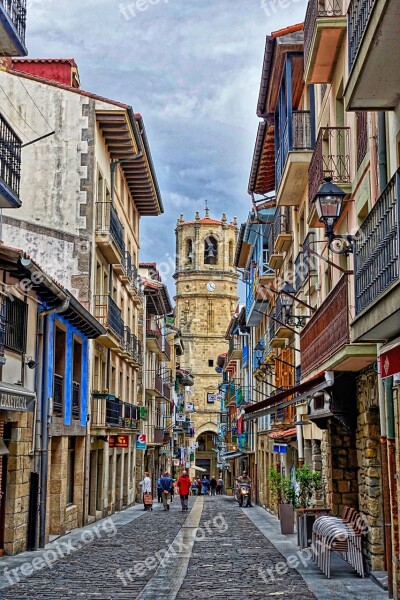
x,y
211,286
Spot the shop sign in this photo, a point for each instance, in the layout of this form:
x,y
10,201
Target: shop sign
x,y
118,441
16,402
390,362
141,442
176,462
180,418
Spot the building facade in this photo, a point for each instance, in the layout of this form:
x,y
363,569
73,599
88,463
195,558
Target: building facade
x,y
206,298
83,221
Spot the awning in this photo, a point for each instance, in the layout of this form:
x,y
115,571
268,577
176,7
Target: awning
x,y
196,468
16,398
277,402
232,455
282,433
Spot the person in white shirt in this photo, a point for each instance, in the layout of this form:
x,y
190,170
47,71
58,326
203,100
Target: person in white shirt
x,y
145,485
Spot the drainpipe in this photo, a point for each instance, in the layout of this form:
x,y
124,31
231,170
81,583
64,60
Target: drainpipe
x,y
385,478
382,153
391,459
45,400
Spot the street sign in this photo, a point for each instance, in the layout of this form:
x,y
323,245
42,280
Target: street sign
x,y
141,442
118,441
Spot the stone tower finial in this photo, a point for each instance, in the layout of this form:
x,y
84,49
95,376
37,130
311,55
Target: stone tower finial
x,y
207,210
235,221
181,218
224,219
197,217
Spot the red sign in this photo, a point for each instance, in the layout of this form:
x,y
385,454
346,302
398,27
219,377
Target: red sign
x,y
390,362
118,441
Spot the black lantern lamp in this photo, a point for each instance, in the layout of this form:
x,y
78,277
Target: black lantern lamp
x,y
287,296
328,202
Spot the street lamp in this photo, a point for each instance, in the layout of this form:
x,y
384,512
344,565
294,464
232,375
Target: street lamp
x,y
287,300
328,202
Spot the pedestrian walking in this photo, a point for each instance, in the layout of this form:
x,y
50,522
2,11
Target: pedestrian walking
x,y
183,486
194,486
205,485
199,486
159,490
145,484
213,485
220,486
166,485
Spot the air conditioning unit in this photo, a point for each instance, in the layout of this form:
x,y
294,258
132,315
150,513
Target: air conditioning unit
x,y
335,402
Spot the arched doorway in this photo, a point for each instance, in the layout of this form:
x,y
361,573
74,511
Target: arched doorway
x,y
206,455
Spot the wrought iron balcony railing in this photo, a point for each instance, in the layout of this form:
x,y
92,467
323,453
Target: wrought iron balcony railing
x,y
10,157
377,247
331,158
357,17
167,349
362,136
76,400
108,314
113,411
296,135
16,10
58,396
328,330
318,9
282,222
107,221
128,266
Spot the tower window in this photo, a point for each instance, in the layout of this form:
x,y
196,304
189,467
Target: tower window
x,y
210,251
189,251
210,363
230,253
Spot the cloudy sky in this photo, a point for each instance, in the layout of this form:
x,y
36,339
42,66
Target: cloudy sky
x,y
192,69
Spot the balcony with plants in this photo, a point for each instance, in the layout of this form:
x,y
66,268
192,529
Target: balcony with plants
x,y
324,30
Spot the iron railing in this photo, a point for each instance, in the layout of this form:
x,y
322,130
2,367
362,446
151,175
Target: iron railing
x,y
296,135
362,136
328,330
10,157
128,266
282,222
16,10
76,400
16,322
113,411
131,416
357,21
158,383
318,9
108,314
377,247
107,221
128,341
167,349
58,396
331,158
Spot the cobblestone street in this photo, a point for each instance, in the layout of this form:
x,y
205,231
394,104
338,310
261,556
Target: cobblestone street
x,y
223,560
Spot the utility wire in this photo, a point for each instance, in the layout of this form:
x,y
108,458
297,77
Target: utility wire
x,y
48,124
13,124
16,110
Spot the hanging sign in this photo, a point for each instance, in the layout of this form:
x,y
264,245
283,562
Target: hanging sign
x,y
176,462
141,442
180,418
390,362
118,441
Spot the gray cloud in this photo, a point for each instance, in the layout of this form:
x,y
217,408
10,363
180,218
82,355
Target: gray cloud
x,y
192,69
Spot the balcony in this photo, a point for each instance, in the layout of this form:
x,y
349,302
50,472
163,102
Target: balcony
x,y
235,350
107,410
10,165
282,331
131,417
331,158
76,401
113,411
166,349
324,29
12,27
58,396
110,234
126,269
275,258
373,37
377,269
109,315
153,336
293,158
282,229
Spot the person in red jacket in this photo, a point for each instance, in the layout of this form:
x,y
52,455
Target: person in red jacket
x,y
184,489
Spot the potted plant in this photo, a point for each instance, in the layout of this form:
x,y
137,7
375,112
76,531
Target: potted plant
x,y
286,496
309,482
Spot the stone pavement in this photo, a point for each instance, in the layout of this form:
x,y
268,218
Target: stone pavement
x,y
215,551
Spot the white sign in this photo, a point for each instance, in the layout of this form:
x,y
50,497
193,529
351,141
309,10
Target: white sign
x,y
190,407
180,417
196,445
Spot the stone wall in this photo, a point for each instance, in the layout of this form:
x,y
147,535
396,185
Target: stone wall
x,y
369,474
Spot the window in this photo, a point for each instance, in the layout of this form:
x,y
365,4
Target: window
x,y
210,251
77,378
16,321
189,251
210,363
231,254
60,343
71,470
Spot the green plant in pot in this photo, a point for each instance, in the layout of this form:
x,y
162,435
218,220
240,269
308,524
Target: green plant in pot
x,y
309,482
286,496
